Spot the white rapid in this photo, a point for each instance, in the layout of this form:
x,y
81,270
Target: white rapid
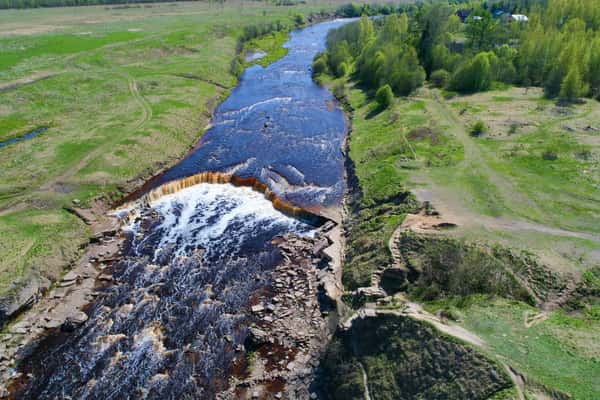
x,y
170,325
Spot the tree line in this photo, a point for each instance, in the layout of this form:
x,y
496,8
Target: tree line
x,y
557,48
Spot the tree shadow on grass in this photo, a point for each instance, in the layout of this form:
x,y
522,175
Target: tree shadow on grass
x,y
375,111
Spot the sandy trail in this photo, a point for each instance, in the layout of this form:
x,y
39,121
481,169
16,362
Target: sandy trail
x,y
463,217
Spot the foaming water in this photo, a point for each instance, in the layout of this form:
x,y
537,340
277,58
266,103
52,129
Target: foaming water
x,y
169,326
200,216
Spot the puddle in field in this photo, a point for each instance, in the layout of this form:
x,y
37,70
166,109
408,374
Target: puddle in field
x,y
27,136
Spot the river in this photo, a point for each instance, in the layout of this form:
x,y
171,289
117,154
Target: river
x,y
199,250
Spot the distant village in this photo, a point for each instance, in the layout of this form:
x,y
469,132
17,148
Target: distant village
x,y
465,15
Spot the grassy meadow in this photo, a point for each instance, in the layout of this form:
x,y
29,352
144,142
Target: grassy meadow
x,y
125,91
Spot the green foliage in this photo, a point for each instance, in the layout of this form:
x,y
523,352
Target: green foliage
x,y
299,20
447,267
481,30
473,75
382,54
401,358
572,87
320,65
384,96
478,128
440,78
401,50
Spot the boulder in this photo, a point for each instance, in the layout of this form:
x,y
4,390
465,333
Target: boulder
x,y
74,321
256,338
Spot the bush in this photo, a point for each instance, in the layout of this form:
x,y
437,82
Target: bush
x,y
573,87
339,91
473,75
319,66
478,128
236,67
384,96
440,78
299,19
549,155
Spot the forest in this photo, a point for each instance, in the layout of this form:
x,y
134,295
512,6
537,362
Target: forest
x,y
556,47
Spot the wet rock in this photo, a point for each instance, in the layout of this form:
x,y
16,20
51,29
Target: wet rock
x,y
21,327
74,321
320,245
23,299
256,338
257,308
70,276
369,294
105,277
51,324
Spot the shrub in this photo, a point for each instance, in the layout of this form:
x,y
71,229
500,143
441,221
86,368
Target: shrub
x,y
339,91
384,96
299,19
236,67
478,128
549,155
319,66
573,87
473,75
440,78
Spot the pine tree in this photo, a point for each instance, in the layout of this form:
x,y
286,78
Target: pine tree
x,y
572,86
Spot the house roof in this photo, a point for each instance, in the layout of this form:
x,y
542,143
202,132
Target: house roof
x,y
520,17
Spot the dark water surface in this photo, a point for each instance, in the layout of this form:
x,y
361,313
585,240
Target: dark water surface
x,y
169,326
280,127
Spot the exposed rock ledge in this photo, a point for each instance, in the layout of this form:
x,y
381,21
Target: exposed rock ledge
x,y
45,309
293,323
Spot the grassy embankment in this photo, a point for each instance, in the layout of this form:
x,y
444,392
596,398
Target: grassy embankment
x,y
126,92
529,184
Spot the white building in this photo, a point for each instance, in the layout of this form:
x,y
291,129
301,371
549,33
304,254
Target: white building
x,y
518,18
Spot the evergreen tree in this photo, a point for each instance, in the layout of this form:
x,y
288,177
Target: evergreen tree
x,y
384,96
573,87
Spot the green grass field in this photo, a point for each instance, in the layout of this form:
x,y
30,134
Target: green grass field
x,y
125,92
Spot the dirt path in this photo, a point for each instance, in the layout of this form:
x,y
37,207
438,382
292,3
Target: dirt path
x,y
28,80
365,381
517,380
417,312
146,108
